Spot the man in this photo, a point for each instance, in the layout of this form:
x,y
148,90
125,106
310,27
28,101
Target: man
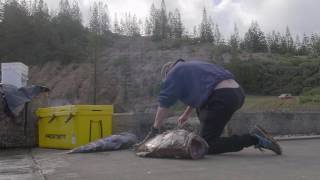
x,y
215,95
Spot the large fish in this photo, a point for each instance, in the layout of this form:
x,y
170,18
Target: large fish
x,y
174,144
115,142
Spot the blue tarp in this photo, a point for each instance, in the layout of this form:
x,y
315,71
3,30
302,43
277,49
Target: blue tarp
x,y
16,98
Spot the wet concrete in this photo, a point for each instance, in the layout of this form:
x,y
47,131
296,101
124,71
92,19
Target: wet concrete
x,y
299,162
18,164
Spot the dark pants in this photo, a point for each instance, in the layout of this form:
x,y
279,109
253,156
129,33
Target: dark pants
x,y
215,114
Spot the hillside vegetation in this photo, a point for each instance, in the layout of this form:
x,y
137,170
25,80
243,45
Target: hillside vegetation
x,y
128,75
118,62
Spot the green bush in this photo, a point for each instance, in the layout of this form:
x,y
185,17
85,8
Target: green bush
x,y
309,99
266,76
312,92
310,95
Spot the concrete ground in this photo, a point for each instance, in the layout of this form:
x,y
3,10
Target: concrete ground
x,y
301,161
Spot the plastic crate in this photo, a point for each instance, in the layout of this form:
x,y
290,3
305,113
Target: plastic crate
x,y
66,127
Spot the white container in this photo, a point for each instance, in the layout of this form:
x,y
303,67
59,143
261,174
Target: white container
x,y
14,73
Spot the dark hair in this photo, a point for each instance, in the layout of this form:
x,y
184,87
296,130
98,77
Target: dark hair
x,y
179,60
167,67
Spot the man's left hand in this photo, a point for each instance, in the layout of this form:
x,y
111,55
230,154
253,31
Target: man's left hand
x,y
182,119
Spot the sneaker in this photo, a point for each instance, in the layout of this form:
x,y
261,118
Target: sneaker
x,y
266,141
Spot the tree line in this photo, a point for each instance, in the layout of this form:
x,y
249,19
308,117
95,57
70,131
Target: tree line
x,y
31,33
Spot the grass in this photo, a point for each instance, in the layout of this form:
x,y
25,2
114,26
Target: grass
x,y
265,104
273,103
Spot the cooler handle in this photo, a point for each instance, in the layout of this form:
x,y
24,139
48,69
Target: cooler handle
x,y
69,118
96,110
52,118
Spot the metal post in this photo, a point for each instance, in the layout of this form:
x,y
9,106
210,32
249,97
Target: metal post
x,y
95,75
95,56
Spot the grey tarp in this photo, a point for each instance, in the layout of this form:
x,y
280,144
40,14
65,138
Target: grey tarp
x,y
16,98
18,124
174,144
115,142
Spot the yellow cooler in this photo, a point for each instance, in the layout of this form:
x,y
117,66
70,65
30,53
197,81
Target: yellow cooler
x,y
66,127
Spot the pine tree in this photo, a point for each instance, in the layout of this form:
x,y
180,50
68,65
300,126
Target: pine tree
x,y
195,32
135,28
273,40
116,26
40,6
147,27
64,8
104,20
315,44
297,42
34,4
124,24
178,26
99,20
170,25
99,27
234,41
28,24
155,23
15,32
159,22
175,26
42,30
25,6
122,27
41,11
163,21
94,19
254,39
217,35
283,44
1,11
289,42
68,33
75,11
140,26
206,34
304,48
130,25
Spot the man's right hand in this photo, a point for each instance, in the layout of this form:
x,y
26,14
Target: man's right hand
x,y
155,129
152,133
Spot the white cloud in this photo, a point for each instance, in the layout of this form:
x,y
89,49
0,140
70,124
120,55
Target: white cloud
x,y
300,15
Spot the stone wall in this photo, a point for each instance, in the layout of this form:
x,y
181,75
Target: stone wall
x,y
138,123
277,123
16,133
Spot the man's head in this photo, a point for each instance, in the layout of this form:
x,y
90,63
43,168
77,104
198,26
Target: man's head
x,y
167,67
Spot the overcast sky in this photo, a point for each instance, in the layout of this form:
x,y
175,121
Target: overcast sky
x,y
300,15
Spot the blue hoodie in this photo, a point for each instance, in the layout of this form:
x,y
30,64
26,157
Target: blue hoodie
x,y
191,82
